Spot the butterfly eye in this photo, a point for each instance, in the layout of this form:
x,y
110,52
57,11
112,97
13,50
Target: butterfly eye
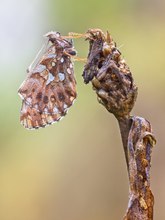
x,y
70,51
73,52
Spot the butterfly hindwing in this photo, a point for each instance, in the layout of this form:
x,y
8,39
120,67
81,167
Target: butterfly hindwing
x,y
50,87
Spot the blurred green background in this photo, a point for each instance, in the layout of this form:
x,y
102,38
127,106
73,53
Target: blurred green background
x,y
75,169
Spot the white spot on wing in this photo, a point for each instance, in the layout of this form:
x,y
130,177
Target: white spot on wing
x,y
29,100
65,105
55,110
69,71
49,119
62,60
53,63
46,110
50,78
51,56
54,50
61,76
71,65
40,68
36,106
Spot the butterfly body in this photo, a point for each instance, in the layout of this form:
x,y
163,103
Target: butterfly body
x,y
50,87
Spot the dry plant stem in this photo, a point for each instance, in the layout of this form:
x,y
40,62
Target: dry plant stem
x,y
117,92
140,144
138,141
124,125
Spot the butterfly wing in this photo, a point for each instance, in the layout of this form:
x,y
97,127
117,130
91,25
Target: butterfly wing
x,y
48,91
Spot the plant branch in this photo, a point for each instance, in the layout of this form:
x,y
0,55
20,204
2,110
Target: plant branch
x,y
116,91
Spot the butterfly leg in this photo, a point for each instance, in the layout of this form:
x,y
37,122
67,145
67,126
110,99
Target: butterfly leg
x,y
79,59
74,35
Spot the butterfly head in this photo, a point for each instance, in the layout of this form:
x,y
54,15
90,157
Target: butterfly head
x,y
61,43
53,36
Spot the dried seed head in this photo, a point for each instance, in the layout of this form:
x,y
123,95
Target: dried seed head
x,y
109,73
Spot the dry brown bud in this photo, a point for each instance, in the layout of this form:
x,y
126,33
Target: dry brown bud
x,y
110,75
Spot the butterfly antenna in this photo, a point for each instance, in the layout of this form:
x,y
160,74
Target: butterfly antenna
x,y
120,46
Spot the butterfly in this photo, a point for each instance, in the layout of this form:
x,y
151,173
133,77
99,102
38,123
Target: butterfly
x,y
50,87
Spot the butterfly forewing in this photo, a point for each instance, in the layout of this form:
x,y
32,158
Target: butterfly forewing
x,y
50,87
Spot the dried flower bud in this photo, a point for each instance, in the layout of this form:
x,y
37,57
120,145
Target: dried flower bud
x,y
110,75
